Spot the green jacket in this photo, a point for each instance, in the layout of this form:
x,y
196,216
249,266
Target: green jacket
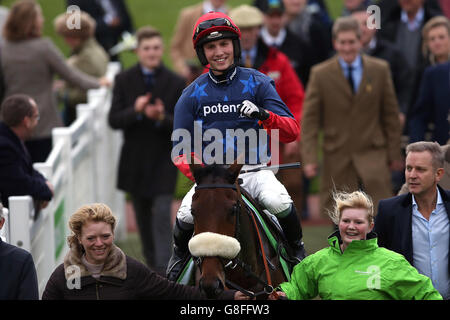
x,y
363,272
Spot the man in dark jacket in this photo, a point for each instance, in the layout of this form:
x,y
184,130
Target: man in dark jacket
x,y
20,116
18,279
144,97
416,224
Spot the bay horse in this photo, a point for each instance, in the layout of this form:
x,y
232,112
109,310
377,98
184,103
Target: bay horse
x,y
230,247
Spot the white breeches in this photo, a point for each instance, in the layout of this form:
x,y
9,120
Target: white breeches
x,y
262,185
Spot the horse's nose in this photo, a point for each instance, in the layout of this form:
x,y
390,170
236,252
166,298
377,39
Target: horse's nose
x,y
212,288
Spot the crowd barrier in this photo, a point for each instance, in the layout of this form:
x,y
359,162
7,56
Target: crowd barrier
x,y
82,168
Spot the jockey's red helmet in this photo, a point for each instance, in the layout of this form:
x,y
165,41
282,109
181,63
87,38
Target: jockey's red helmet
x,y
214,26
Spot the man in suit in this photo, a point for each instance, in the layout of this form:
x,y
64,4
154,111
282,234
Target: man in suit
x,y
351,99
182,52
416,224
143,103
111,17
20,116
432,105
18,277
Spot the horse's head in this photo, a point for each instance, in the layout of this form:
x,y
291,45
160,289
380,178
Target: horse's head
x,y
215,208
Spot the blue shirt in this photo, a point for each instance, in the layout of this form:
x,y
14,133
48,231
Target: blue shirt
x,y
431,245
357,70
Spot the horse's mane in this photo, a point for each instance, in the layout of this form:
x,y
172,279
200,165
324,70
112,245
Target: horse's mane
x,y
214,171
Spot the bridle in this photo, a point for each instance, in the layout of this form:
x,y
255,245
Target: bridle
x,y
236,262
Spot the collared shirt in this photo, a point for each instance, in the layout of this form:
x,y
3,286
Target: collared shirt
x,y
431,245
207,7
273,41
357,70
416,22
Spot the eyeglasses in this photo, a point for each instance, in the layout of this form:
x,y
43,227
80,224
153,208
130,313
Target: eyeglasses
x,y
217,22
36,116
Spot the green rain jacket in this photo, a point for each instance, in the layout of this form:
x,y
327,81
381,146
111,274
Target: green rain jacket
x,y
363,271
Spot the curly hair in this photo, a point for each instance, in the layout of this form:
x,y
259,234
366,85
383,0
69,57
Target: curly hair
x,y
345,200
96,212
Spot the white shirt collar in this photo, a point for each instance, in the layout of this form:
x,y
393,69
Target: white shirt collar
x,y
439,199
416,22
273,41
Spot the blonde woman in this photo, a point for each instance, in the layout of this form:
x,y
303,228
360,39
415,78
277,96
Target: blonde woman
x,y
436,40
105,272
353,266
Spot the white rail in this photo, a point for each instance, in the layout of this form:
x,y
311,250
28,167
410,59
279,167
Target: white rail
x,y
82,167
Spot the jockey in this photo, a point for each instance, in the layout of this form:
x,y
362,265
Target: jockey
x,y
231,97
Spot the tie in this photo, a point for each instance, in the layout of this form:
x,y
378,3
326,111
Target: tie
x,y
148,78
350,78
248,60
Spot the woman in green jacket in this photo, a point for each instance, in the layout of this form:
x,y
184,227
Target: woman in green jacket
x,y
353,266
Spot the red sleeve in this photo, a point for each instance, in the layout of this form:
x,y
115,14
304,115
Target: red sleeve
x,y
289,129
182,164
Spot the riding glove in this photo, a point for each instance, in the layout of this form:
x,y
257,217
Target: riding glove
x,y
250,110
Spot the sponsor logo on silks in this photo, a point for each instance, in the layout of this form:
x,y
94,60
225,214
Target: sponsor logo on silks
x,y
374,281
221,108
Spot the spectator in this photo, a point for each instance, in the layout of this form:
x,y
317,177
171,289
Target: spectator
x,y
444,183
96,269
352,99
275,34
351,6
87,56
416,224
17,177
432,106
374,46
403,28
353,266
276,65
144,98
29,63
111,17
181,50
17,271
307,26
436,40
257,109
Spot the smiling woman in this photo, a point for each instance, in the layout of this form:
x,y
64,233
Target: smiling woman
x,y
96,269
353,266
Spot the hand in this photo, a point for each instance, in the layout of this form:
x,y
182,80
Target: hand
x,y
250,110
240,296
279,293
104,82
310,170
291,149
155,111
141,102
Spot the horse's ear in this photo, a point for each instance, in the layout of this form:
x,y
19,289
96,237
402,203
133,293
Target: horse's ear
x,y
194,167
235,169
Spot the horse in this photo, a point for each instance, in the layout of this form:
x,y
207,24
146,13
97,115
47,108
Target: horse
x,y
230,247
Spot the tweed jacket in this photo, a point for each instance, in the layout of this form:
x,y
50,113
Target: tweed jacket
x,y
353,125
91,59
29,67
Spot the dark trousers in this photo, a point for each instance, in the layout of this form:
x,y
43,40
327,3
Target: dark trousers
x,y
153,221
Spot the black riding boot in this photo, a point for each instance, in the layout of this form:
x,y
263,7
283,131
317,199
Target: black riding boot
x,y
293,232
182,232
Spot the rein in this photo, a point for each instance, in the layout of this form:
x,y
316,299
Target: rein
x,y
268,287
